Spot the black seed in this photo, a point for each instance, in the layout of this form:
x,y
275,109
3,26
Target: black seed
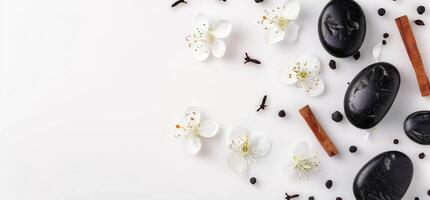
x,y
421,10
329,184
353,149
338,198
386,35
332,64
357,55
337,116
422,155
384,42
396,141
419,22
348,83
253,180
381,12
311,198
282,113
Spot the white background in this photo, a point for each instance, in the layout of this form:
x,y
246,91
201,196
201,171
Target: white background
x,y
91,90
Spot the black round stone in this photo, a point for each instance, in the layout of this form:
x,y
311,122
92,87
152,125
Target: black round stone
x,y
329,184
396,141
253,180
421,155
282,113
353,149
311,198
381,12
421,10
337,116
386,35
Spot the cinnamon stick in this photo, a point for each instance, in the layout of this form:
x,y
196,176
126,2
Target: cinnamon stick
x,y
318,131
414,54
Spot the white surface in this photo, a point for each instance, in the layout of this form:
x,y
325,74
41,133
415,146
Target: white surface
x,y
91,89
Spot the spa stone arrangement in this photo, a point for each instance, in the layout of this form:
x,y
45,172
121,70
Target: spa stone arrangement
x,y
367,100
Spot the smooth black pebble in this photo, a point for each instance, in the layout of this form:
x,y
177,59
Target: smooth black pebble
x,y
342,27
370,95
417,127
332,64
386,176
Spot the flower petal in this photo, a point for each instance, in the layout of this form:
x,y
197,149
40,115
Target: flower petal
x,y
302,149
292,32
311,62
201,22
274,35
222,29
218,48
288,76
376,51
236,132
192,115
201,53
237,162
317,88
193,145
208,128
292,11
262,145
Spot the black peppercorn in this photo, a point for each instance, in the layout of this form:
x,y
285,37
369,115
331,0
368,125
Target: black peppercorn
x,y
337,116
258,1
381,12
353,149
396,141
282,113
357,55
421,10
416,198
329,184
386,35
311,198
421,156
338,198
253,180
332,64
428,192
384,42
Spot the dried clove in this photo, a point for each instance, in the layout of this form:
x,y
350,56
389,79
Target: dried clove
x,y
263,103
249,59
288,197
178,2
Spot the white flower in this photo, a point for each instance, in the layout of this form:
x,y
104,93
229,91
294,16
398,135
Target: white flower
x,y
192,129
245,148
279,22
304,73
207,38
304,162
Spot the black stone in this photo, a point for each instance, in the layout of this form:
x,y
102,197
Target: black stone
x,y
342,27
329,184
381,12
253,180
337,116
421,10
387,176
370,95
417,127
332,64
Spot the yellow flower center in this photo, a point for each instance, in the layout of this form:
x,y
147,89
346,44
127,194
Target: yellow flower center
x,y
245,147
303,74
282,23
211,36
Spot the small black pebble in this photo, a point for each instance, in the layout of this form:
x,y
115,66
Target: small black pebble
x,y
396,141
384,42
357,55
421,10
381,12
329,184
338,198
337,116
253,180
421,155
386,35
311,198
332,64
419,22
353,149
282,113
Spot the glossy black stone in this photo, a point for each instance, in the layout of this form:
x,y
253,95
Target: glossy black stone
x,y
417,127
342,27
387,176
370,95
